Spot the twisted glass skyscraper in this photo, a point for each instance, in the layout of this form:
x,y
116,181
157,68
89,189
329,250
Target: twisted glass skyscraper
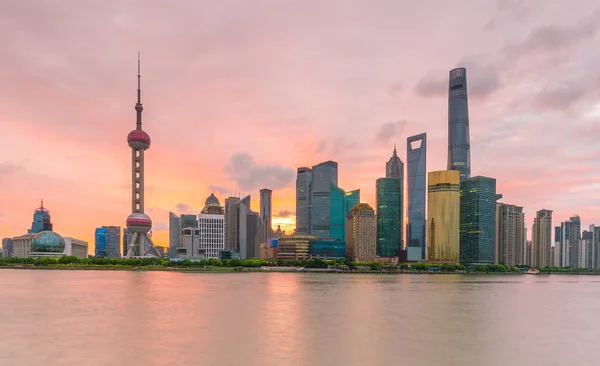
x,y
459,147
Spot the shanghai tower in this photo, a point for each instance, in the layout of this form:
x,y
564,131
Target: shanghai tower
x,y
459,147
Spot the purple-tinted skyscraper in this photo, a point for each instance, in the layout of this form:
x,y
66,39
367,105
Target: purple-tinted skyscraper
x,y
138,223
459,146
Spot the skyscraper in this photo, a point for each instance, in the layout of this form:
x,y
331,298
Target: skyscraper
x,y
557,252
389,217
340,203
510,235
241,226
477,220
265,206
174,234
416,156
542,238
575,241
587,250
108,242
596,231
443,216
324,175
361,233
459,148
138,223
265,229
394,168
231,224
41,220
303,189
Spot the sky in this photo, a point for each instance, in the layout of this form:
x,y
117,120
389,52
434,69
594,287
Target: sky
x,y
238,94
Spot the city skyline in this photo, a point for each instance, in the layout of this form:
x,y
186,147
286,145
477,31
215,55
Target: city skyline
x,y
70,149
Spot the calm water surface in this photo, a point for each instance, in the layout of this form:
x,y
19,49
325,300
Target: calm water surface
x,y
142,318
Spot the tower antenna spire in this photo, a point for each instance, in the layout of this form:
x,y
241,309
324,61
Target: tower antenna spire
x,y
138,106
139,90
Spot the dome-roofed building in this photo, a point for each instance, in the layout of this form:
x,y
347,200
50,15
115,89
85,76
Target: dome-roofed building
x,y
47,242
211,200
213,206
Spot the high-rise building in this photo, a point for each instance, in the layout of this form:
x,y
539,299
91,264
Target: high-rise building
x,y
265,206
189,221
575,241
303,209
174,234
596,242
557,255
477,220
416,157
443,216
587,253
231,224
265,229
108,242
340,203
211,227
459,148
7,247
324,175
394,168
41,220
241,226
510,247
570,238
361,234
138,223
389,217
542,238
529,254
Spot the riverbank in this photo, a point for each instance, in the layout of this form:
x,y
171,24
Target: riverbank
x,y
69,267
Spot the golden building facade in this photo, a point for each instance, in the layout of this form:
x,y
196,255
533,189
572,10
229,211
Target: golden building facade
x,y
443,216
294,247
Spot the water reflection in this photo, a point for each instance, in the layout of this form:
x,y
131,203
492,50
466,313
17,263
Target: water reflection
x,y
158,318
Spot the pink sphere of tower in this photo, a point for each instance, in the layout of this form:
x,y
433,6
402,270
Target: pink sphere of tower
x,y
138,139
139,222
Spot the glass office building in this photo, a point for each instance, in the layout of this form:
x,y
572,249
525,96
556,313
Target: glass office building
x,y
477,220
324,176
303,188
416,171
459,148
340,204
327,249
389,217
107,242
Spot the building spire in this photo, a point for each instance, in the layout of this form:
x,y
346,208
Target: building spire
x,y
42,205
138,105
395,153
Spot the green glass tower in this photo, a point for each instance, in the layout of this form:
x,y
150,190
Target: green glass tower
x,y
477,220
341,203
389,217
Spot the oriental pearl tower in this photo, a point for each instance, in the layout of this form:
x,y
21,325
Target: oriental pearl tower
x,y
138,223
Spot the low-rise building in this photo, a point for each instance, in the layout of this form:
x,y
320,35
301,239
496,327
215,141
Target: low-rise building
x,y
48,244
294,247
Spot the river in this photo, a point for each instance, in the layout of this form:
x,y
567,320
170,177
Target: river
x,y
52,317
